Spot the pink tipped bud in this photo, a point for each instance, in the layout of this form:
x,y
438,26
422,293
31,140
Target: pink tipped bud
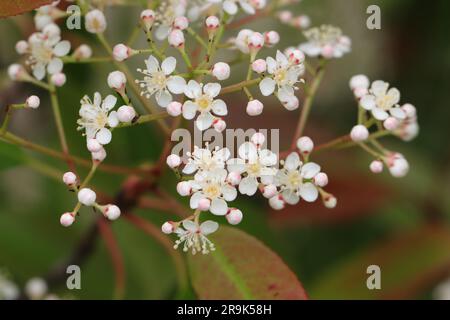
x,y
184,188
69,179
204,204
254,108
359,133
17,72
285,16
168,227
391,124
117,80
112,212
93,145
296,56
234,216
255,41
126,114
302,22
173,161
305,145
148,18
258,139
221,71
33,102
58,79
398,166
270,191
22,47
259,66
410,110
87,197
176,38
291,104
359,81
83,52
99,155
174,108
321,179
212,23
67,219
277,203
376,166
121,52
271,38
330,201
219,125
234,178
181,23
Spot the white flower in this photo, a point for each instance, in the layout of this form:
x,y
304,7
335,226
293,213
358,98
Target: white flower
x,y
248,6
95,21
382,102
203,102
326,41
295,180
283,77
206,160
45,15
165,16
159,82
194,236
96,117
212,185
256,164
45,49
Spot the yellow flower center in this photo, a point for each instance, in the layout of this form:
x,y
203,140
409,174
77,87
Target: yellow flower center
x,y
294,179
203,103
253,169
212,190
42,53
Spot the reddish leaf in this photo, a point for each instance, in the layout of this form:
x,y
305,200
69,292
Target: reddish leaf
x,y
14,7
242,268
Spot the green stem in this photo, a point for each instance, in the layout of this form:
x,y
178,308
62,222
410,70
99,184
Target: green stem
x,y
197,37
144,119
185,58
239,86
67,60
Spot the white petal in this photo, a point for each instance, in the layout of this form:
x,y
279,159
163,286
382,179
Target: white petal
x,y
292,162
109,102
193,89
394,95
219,207
248,186
248,151
212,89
247,7
309,170
271,65
113,119
229,193
55,66
204,121
62,48
267,86
368,102
379,114
163,98
236,165
97,99
176,84
309,192
398,113
189,168
230,7
267,157
281,59
104,136
190,226
169,65
379,87
39,71
208,227
152,64
189,110
162,32
219,107
195,199
290,197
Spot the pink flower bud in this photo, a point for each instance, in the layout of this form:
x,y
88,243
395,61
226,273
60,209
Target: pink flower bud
x,y
359,81
83,52
410,110
221,71
255,41
173,161
95,21
302,22
148,18
181,23
93,145
117,80
258,139
126,114
33,102
174,108
330,201
69,178
259,66
204,204
17,72
121,52
176,38
285,16
277,203
67,219
22,47
219,125
376,166
360,92
184,188
58,79
167,227
254,108
112,212
328,51
99,155
321,179
234,216
271,38
359,133
291,104
391,123
270,191
398,166
305,145
87,197
212,23
234,178
296,56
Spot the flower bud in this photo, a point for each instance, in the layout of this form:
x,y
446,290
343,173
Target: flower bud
x,y
83,52
296,56
391,124
258,139
219,125
410,110
58,79
181,23
121,52
22,47
36,288
285,16
17,72
360,92
33,102
184,188
126,114
93,145
69,178
212,23
259,66
376,166
271,38
95,21
221,71
148,18
305,145
234,216
51,30
359,133
112,212
277,203
174,108
67,219
255,41
99,155
204,204
321,179
330,201
328,51
234,178
398,166
302,22
167,227
359,81
117,80
270,191
254,108
176,38
87,197
291,104
173,161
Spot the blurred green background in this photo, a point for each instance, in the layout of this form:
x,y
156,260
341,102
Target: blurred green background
x,y
400,225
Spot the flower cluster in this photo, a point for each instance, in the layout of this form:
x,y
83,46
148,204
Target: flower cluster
x,y
326,41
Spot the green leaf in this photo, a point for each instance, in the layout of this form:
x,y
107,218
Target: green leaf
x,y
15,7
242,267
10,156
409,263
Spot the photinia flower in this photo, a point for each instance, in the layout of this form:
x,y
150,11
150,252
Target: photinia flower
x,y
165,16
283,75
205,160
325,41
256,164
203,102
194,236
96,117
159,81
248,6
45,49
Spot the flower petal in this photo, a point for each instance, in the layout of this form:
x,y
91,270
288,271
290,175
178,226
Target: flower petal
x,y
204,121
103,136
208,227
109,102
219,207
308,192
176,84
292,161
219,107
55,66
248,186
380,114
62,48
193,89
189,110
310,170
152,64
168,65
267,86
212,89
163,98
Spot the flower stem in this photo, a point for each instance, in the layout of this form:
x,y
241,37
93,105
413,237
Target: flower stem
x,y
144,119
197,37
67,60
239,86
